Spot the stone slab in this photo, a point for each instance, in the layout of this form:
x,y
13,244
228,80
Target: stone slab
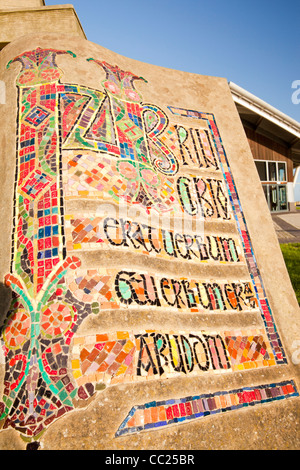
x,y
35,19
123,332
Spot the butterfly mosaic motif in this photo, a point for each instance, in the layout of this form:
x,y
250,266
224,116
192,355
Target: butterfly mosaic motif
x,y
44,312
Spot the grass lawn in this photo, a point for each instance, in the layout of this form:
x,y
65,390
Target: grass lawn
x,y
291,254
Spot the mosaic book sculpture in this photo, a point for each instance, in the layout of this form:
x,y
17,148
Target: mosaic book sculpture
x,y
165,177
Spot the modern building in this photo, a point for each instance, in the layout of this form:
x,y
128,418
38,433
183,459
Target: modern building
x,y
274,137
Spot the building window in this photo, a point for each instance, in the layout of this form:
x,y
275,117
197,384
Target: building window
x,y
273,175
281,171
262,170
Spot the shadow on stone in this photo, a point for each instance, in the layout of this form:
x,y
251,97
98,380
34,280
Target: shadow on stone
x,y
5,301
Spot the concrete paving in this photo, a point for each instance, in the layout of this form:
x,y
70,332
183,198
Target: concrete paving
x,y
287,227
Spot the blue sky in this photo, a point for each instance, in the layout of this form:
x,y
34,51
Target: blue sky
x,y
255,44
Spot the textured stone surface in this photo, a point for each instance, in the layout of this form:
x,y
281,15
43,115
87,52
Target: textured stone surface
x,y
21,19
10,4
95,420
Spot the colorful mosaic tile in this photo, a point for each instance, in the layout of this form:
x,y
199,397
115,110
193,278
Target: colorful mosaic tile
x,y
246,348
243,230
104,232
89,175
77,144
124,356
156,415
114,289
144,289
36,116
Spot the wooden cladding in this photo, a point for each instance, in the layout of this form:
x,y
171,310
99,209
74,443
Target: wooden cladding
x,y
263,148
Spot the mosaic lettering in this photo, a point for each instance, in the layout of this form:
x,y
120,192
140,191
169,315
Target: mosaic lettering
x,y
86,159
145,289
100,232
124,356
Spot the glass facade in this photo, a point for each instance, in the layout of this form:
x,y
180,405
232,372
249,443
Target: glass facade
x,y
274,178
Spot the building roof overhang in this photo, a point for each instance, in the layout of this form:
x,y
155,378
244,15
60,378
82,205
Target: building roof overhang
x,y
267,120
